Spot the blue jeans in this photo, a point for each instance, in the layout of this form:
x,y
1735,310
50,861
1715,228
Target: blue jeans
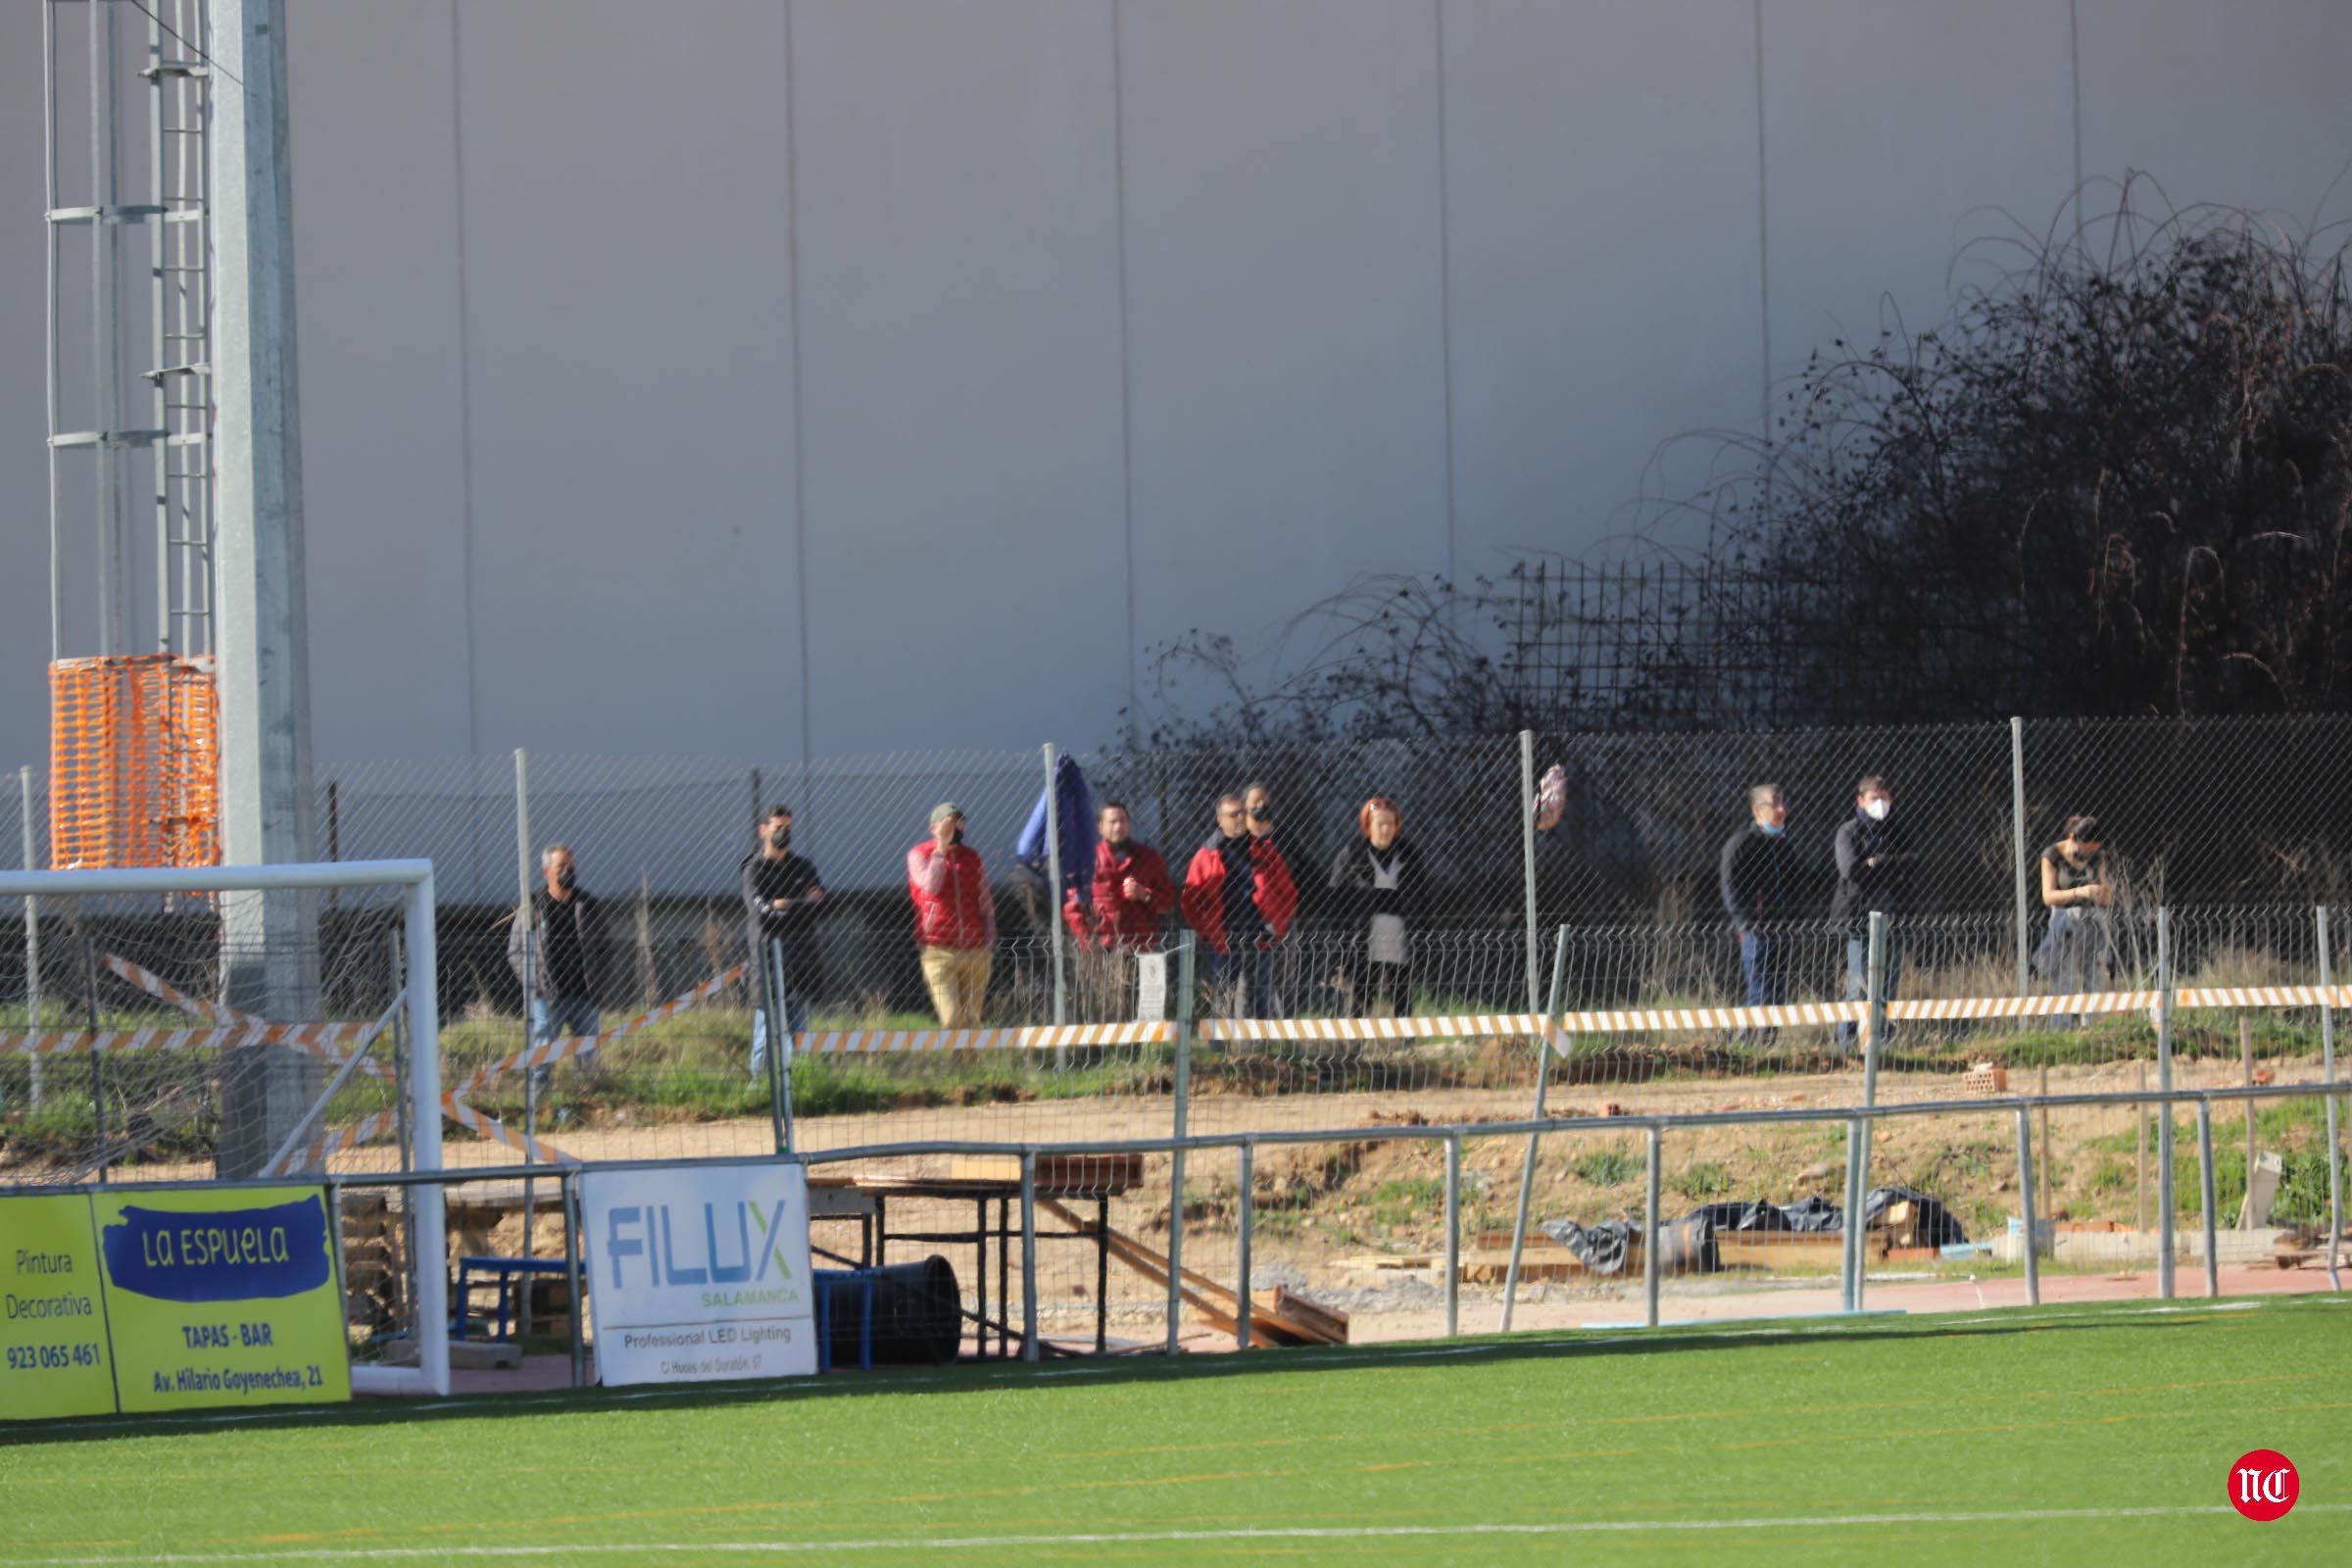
x,y
796,1022
1242,979
1764,963
1857,980
561,1019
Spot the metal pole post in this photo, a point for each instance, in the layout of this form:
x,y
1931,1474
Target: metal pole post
x,y
1874,1026
32,934
1527,1169
1180,1115
1061,1055
1650,1266
1029,1349
570,1191
1857,1161
1248,1206
1527,852
1453,1235
267,809
2164,1239
530,955
2024,1201
2017,840
89,1008
2213,1261
773,982
2335,1173
430,1256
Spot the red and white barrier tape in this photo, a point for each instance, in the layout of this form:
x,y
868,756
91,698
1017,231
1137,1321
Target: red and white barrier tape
x,y
554,1051
296,1036
1464,1027
156,985
466,1116
1050,1036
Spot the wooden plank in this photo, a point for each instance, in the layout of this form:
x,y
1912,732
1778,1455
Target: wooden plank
x,y
1327,1323
1221,1306
1778,1250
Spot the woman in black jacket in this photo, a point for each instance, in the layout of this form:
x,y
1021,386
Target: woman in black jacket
x,y
1375,903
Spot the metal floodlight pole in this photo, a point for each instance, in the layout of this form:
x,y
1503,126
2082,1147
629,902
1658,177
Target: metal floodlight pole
x,y
1527,1169
2164,1239
270,939
2016,841
1526,851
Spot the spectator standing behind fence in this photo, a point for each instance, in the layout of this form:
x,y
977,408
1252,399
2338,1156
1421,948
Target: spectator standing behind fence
x,y
1376,897
556,950
1239,895
1132,889
955,918
782,896
1760,886
2079,947
1875,857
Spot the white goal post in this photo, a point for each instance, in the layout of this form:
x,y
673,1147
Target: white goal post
x,y
414,879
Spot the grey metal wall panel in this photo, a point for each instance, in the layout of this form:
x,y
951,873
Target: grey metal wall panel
x,y
1892,134
634,583
959,316
2248,104
1283,244
376,320
1601,178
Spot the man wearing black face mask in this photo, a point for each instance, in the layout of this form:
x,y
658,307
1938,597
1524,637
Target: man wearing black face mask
x,y
556,949
783,896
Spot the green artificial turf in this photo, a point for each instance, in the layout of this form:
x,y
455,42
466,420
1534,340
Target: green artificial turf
x,y
2089,1434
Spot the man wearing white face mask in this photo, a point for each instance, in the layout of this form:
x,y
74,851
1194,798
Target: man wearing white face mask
x,y
1875,857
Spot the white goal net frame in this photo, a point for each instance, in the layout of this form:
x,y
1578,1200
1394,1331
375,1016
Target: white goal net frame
x,y
414,881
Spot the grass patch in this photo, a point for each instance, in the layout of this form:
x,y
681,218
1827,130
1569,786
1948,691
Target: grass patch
x,y
2115,1424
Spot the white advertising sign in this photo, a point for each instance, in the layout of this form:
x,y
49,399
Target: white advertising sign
x,y
700,1274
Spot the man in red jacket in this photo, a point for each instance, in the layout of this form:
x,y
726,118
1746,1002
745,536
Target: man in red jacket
x,y
1132,890
955,918
1237,893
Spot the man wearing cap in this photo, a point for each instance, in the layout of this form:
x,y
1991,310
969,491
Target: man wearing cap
x,y
955,918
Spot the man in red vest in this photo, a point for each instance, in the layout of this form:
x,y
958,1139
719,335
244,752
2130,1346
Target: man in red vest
x,y
955,918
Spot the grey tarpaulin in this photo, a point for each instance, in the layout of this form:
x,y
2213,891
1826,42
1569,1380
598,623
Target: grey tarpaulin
x,y
1688,1244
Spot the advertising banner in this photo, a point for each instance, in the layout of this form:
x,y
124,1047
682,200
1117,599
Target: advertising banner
x,y
700,1274
221,1296
53,1354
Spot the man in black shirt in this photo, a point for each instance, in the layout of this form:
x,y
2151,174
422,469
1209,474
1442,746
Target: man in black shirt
x,y
1875,857
783,897
1760,882
556,950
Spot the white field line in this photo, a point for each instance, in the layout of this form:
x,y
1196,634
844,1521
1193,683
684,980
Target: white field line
x,y
1142,1537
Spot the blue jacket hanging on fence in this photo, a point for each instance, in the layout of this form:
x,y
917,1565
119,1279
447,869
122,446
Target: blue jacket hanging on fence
x,y
1074,805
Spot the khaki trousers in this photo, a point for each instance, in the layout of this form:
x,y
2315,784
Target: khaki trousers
x,y
958,980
